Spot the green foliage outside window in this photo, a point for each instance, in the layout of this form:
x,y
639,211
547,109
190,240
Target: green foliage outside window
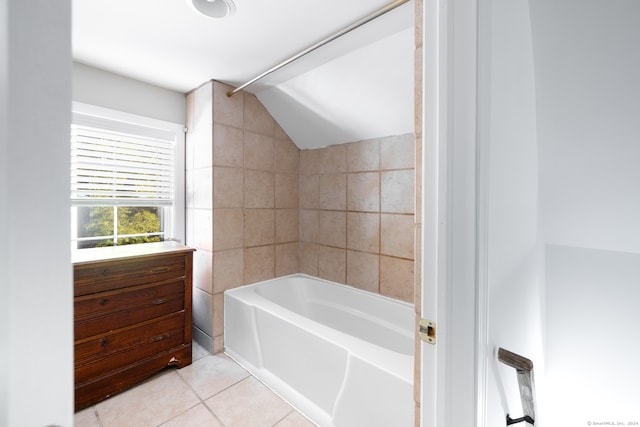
x,y
99,221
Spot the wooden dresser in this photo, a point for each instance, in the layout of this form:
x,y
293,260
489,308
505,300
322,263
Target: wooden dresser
x,y
132,316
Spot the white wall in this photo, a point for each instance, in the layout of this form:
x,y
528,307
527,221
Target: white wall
x,y
592,314
109,90
587,65
36,327
515,259
364,94
587,68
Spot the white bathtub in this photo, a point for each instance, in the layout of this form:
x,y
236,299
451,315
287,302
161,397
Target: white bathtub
x,y
343,357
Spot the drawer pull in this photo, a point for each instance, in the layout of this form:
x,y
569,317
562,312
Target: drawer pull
x,y
160,301
104,301
158,338
159,270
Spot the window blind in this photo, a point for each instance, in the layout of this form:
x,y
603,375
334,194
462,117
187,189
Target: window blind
x,y
118,163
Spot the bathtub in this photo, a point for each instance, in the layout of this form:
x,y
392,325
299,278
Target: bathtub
x,y
341,356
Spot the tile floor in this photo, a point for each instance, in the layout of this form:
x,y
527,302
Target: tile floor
x,y
213,391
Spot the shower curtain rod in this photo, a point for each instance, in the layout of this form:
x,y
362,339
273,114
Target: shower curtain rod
x,y
322,42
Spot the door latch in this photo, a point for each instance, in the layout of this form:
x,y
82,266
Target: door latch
x,y
428,331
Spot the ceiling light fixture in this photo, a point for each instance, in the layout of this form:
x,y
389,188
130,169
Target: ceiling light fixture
x,y
214,8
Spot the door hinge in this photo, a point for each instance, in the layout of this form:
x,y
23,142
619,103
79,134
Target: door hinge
x,y
428,331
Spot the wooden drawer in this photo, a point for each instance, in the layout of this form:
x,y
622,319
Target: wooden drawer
x,y
99,388
106,311
110,275
132,315
101,354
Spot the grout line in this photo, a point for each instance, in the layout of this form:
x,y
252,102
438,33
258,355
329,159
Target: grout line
x,y
214,415
177,415
95,411
282,419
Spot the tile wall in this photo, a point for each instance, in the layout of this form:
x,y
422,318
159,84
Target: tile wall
x,y
357,214
258,208
242,200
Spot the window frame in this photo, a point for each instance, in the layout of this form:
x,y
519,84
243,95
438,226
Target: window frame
x,y
175,226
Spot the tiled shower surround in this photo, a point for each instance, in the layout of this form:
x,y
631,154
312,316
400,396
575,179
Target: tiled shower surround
x,y
357,215
258,208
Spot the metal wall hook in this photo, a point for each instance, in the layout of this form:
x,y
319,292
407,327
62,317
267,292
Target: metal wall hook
x,y
526,418
524,372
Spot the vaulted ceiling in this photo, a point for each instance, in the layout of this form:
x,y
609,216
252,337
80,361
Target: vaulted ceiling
x,y
357,87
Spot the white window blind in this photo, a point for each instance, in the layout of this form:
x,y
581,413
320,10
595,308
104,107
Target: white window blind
x,y
116,163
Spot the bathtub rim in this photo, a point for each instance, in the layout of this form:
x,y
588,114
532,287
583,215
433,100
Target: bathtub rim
x,y
387,359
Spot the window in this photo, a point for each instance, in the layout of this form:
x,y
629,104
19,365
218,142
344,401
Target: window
x,y
127,178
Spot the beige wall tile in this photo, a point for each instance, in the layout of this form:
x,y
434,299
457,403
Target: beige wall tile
x,y
396,278
228,187
362,270
280,133
189,225
333,192
286,259
218,344
202,116
310,162
201,144
397,152
333,159
189,189
259,264
287,225
418,81
228,146
397,191
259,227
417,272
189,114
309,191
418,182
332,228
227,110
202,231
287,155
287,194
228,229
363,192
228,269
203,270
363,156
363,231
309,225
188,152
308,258
397,235
256,117
202,303
259,189
332,264
258,151
202,188
218,314
419,26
